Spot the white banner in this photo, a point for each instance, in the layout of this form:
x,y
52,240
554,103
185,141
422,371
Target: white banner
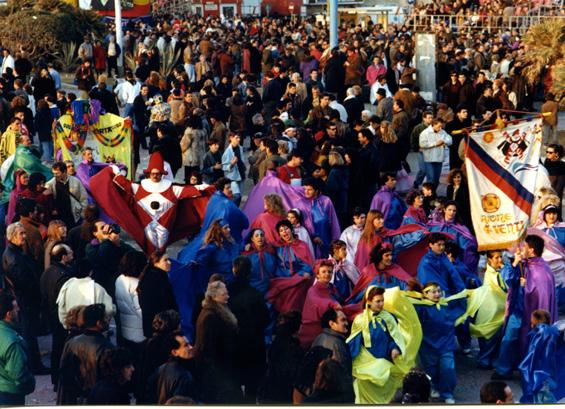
x,y
502,167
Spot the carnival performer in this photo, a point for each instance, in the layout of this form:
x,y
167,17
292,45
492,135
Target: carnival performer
x,y
384,342
288,292
320,297
267,221
415,212
294,216
463,236
264,262
486,307
220,207
382,272
325,225
388,202
438,317
345,274
542,373
352,234
531,286
435,266
154,212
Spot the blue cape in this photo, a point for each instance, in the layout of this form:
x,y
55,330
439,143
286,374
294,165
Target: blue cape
x,y
220,207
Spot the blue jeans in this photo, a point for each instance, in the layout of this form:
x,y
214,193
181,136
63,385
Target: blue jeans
x,y
421,170
488,349
441,368
128,110
433,172
47,151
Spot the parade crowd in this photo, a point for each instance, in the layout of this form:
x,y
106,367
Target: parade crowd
x,y
317,266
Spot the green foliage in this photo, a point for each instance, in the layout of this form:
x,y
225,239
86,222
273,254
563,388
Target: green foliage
x,y
168,60
41,27
67,58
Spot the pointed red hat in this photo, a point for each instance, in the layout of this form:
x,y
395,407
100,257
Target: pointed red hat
x,y
156,162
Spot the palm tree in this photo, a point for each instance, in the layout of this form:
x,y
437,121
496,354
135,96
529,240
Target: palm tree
x,y
545,52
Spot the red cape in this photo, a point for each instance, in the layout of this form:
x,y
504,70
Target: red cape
x,y
288,293
267,222
120,206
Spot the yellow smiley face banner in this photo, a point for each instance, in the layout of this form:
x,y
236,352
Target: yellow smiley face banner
x,y
502,166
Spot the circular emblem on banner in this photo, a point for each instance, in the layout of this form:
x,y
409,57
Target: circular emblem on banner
x,y
490,202
488,137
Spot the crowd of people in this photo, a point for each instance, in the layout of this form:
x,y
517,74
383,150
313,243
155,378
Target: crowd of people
x,y
321,270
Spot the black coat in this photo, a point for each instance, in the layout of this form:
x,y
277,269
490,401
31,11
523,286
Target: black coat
x,y
170,150
337,187
285,356
43,86
80,366
248,306
215,356
463,204
51,282
106,98
155,295
108,393
390,156
173,378
335,74
354,106
21,276
43,123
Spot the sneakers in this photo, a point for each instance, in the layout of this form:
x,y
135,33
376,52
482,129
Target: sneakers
x,y
434,394
450,401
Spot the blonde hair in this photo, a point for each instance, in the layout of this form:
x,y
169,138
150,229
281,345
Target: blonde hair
x,y
335,159
388,135
275,205
53,232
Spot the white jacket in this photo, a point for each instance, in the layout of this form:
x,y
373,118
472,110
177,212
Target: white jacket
x,y
127,301
428,142
82,291
79,197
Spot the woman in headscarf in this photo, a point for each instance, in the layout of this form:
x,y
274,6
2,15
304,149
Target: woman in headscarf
x,y
21,180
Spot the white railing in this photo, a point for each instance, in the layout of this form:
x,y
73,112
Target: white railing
x,y
521,23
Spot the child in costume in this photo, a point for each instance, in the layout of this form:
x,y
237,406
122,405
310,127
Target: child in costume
x,y
438,318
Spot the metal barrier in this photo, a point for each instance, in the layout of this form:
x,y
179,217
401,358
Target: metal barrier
x,y
420,23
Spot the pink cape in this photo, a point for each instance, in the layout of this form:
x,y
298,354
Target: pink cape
x,y
318,300
267,222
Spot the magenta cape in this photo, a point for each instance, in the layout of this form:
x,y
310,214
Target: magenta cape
x,y
288,293
292,197
120,206
268,223
409,247
318,300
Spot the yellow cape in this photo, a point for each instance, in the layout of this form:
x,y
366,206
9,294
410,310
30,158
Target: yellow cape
x,y
8,143
487,305
377,379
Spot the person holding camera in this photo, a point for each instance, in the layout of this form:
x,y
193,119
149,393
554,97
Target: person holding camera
x,y
105,253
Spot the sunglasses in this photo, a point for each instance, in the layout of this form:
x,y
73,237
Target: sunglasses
x,y
548,152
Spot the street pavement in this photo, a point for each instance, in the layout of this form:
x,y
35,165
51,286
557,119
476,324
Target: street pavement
x,y
469,377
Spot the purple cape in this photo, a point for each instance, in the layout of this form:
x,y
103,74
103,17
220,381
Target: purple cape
x,y
292,197
539,294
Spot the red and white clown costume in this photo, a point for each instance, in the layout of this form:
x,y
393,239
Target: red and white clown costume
x,y
155,202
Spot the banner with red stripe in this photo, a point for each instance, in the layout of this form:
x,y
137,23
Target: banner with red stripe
x,y
502,166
